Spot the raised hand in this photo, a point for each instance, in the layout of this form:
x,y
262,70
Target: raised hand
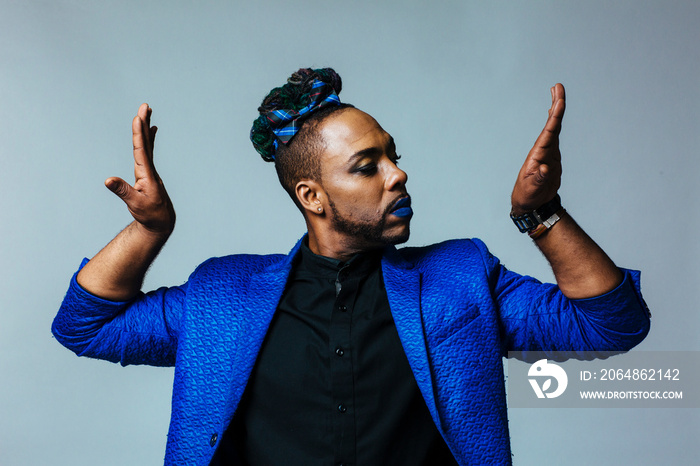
x,y
117,271
540,176
580,266
147,199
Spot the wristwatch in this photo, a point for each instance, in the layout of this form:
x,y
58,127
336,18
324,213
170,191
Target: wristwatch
x,y
546,215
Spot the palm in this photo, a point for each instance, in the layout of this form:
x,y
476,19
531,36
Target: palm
x,y
147,200
540,176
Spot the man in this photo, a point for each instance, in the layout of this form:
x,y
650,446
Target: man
x,y
347,350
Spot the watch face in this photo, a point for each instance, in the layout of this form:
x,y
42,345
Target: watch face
x,y
525,222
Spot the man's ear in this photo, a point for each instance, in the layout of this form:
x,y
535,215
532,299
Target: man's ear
x,y
311,196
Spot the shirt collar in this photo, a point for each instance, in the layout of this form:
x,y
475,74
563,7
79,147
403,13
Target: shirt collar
x,y
360,264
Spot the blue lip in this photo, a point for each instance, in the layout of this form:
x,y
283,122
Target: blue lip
x,y
403,202
403,207
403,212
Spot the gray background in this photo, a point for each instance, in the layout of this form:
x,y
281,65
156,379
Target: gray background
x,y
462,86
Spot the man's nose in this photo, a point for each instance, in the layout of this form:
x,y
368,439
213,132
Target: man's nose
x,y
397,178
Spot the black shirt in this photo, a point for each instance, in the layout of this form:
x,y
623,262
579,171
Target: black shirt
x,y
332,384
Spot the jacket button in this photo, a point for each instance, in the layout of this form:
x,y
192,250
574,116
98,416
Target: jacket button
x,y
342,408
213,439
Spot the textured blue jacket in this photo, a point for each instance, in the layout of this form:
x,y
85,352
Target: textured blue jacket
x,y
457,311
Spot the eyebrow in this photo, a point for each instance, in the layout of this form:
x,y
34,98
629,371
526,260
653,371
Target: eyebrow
x,y
370,151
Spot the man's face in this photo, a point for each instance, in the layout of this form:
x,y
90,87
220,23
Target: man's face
x,y
366,191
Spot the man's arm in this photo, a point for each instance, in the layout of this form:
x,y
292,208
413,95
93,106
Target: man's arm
x,y
580,266
116,273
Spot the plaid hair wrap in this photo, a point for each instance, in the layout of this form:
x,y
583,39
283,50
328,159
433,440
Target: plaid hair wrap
x,y
286,123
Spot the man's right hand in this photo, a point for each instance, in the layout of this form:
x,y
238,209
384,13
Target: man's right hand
x,y
117,271
147,200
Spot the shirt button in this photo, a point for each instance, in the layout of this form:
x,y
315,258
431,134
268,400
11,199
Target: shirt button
x,y
342,408
213,439
339,351
342,308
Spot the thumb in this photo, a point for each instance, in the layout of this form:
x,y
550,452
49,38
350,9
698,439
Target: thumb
x,y
542,174
119,187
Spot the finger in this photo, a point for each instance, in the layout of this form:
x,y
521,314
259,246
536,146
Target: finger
x,y
556,111
547,143
556,116
147,131
144,113
549,135
152,131
119,187
560,91
559,96
540,177
139,142
551,92
143,157
146,122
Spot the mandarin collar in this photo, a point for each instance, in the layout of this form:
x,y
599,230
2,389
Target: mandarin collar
x,y
361,263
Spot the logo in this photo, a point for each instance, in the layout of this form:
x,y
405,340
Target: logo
x,y
547,371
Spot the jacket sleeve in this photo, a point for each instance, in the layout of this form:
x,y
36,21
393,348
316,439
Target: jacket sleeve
x,y
538,317
141,331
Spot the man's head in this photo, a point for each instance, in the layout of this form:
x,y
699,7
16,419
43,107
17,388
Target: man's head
x,y
339,166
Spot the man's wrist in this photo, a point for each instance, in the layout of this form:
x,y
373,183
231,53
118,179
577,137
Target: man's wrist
x,y
545,215
151,236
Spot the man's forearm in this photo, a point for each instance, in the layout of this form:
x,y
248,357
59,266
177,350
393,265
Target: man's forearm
x,y
580,266
116,273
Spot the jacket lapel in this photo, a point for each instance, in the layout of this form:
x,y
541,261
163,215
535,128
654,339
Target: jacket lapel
x,y
403,288
259,305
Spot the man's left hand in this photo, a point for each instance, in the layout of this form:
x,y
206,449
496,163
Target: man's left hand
x,y
540,176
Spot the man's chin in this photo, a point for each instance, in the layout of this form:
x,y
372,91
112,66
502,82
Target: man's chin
x,y
400,238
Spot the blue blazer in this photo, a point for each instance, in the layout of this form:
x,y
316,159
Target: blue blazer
x,y
458,312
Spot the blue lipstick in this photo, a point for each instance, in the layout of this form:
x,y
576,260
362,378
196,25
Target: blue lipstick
x,y
403,208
